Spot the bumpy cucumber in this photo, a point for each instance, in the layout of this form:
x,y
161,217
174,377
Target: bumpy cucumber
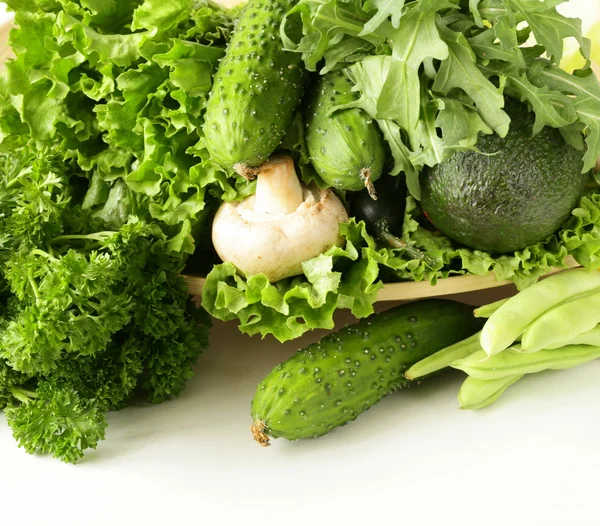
x,y
328,384
346,148
256,89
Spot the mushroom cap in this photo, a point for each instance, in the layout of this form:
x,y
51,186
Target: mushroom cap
x,y
277,245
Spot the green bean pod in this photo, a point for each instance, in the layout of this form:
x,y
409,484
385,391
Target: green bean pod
x,y
445,357
511,319
586,338
561,325
485,311
511,362
477,394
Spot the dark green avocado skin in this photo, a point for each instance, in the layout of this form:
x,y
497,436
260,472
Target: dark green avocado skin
x,y
512,193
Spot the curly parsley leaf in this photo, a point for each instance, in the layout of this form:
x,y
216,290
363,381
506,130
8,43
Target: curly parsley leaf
x,y
59,423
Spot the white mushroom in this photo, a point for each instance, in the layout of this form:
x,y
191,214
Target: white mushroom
x,y
279,227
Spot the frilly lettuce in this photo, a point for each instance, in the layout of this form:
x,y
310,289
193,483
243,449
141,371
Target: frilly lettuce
x,y
122,87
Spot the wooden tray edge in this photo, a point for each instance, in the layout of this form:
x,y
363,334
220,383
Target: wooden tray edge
x,y
411,290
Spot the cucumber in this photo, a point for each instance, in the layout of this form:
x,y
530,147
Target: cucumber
x,y
329,383
256,89
346,148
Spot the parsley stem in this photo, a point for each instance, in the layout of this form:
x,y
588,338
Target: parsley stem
x,y
15,181
98,236
23,395
38,252
33,285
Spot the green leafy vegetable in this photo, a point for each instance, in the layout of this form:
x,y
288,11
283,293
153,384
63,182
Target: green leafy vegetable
x,y
426,64
62,425
103,184
90,316
123,90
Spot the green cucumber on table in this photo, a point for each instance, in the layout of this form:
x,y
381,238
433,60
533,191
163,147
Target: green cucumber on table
x,y
329,383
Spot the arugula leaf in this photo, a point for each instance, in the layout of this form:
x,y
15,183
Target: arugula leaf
x,y
385,9
584,89
459,123
551,108
573,59
393,134
425,64
326,24
549,27
488,46
460,71
418,41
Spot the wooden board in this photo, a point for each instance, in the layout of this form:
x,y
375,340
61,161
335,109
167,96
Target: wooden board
x,y
389,292
414,290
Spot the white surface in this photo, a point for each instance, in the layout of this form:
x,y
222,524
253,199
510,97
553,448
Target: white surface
x,y
532,459
5,16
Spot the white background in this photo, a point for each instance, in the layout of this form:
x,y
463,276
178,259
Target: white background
x,y
531,459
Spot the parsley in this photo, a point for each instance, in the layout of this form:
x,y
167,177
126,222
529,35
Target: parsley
x,y
91,317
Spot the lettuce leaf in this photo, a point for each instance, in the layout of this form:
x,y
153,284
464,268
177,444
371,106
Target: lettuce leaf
x,y
350,277
122,87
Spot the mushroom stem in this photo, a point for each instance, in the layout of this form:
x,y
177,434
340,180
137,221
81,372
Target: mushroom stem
x,y
278,190
280,227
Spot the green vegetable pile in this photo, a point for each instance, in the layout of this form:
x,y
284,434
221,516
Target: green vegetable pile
x,y
552,325
434,76
93,308
126,126
99,202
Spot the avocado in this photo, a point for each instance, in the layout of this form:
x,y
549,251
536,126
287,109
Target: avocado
x,y
510,192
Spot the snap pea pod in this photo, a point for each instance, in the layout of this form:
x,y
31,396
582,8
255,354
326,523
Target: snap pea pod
x,y
512,362
444,358
587,338
485,311
477,394
506,324
559,326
